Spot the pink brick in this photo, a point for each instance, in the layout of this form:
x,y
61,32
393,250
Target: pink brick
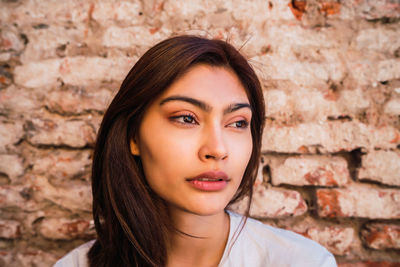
x,y
381,39
129,37
79,70
65,229
63,165
26,257
370,69
371,10
59,131
381,236
392,107
10,133
311,170
10,40
76,196
337,240
381,166
17,100
359,201
10,229
273,203
12,166
330,137
66,101
17,196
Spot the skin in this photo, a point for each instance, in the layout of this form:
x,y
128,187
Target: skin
x,y
178,140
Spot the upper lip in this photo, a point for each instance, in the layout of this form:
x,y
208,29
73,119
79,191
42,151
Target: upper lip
x,y
211,175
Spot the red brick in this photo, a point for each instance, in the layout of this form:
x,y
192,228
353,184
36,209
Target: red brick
x,y
10,133
65,101
371,9
17,196
328,137
273,203
10,229
381,236
12,166
66,229
338,240
381,166
63,165
359,201
10,40
76,196
59,131
79,70
311,170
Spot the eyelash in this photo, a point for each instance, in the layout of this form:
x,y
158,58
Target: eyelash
x,y
175,118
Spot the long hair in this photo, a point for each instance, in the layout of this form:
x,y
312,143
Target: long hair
x,y
130,219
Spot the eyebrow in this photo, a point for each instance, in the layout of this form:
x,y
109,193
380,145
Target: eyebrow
x,y
204,106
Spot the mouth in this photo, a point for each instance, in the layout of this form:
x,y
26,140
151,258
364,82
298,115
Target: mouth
x,y
209,181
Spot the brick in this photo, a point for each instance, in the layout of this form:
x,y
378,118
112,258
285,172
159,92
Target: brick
x,y
79,70
359,201
65,101
18,100
381,39
370,264
10,229
273,203
311,170
63,164
129,37
17,196
58,131
26,257
76,196
330,137
10,39
368,68
10,133
393,107
65,229
121,12
50,42
381,236
311,72
338,240
381,166
12,166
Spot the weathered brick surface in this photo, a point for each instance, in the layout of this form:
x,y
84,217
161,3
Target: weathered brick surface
x,y
59,132
359,201
330,72
273,203
311,170
10,229
328,137
65,229
381,166
381,236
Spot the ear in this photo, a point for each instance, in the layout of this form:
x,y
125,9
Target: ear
x,y
134,148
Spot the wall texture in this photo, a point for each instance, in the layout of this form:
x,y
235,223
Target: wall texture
x,y
331,77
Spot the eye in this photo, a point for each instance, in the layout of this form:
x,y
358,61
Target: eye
x,y
184,119
242,124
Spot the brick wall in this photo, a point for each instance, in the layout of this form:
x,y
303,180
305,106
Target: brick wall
x,y
331,77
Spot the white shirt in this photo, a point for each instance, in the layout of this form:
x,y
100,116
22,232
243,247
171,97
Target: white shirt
x,y
257,245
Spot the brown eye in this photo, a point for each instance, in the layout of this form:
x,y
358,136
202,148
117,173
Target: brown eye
x,y
184,119
242,124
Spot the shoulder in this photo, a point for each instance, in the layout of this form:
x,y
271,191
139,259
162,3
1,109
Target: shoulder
x,y
77,257
280,247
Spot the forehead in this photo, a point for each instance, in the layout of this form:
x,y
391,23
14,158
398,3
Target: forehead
x,y
209,83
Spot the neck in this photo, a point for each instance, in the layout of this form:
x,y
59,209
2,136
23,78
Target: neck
x,y
199,240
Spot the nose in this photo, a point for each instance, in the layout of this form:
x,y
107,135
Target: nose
x,y
213,146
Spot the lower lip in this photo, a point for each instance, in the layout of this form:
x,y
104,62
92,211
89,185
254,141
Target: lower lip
x,y
209,185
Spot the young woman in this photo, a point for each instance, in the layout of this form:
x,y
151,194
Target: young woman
x,y
179,142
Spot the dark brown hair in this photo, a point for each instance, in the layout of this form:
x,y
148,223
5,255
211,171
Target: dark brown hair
x,y
130,219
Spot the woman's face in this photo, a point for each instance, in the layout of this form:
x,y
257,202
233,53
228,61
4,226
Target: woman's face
x,y
195,140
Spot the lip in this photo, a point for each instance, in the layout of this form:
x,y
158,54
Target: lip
x,y
218,180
